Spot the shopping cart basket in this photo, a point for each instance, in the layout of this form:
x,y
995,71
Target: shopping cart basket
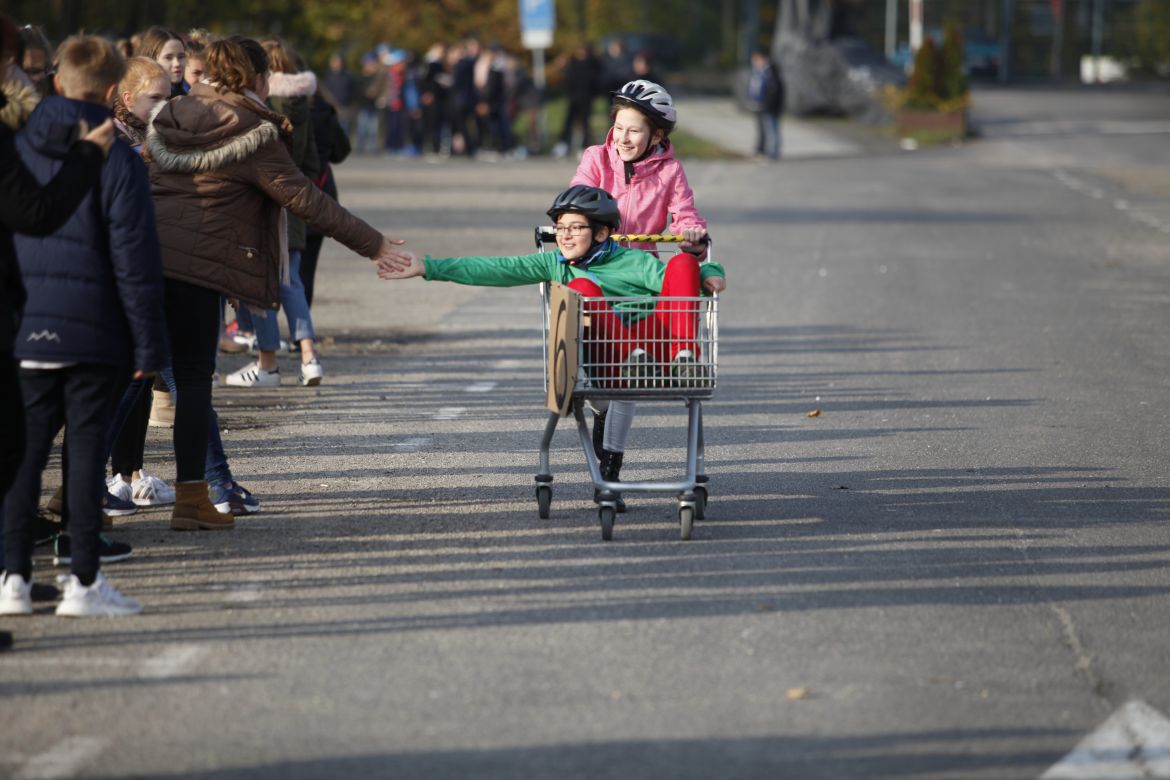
x,y
635,366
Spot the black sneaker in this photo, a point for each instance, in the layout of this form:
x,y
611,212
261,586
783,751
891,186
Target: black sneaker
x,y
43,592
109,551
45,529
112,506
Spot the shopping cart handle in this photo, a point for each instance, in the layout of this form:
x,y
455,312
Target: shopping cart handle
x,y
657,238
544,233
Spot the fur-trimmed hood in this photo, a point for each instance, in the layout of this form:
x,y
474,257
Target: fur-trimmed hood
x,y
287,85
204,130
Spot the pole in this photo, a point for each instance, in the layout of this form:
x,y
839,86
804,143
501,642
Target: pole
x,y
1098,34
1005,40
915,24
538,80
891,28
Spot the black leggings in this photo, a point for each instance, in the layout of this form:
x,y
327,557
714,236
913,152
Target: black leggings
x,y
193,327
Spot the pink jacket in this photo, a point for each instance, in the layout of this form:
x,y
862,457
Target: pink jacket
x,y
657,187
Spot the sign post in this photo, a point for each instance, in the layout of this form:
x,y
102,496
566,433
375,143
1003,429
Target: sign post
x,y
537,25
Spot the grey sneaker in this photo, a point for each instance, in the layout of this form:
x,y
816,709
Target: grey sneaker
x,y
15,595
685,371
101,599
639,370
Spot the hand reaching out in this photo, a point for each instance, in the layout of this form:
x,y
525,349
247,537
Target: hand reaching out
x,y
410,265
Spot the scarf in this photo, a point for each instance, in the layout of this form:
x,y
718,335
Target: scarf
x,y
130,125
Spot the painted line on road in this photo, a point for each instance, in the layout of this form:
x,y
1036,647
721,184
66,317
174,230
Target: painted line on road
x,y
480,387
65,759
1134,742
411,445
450,412
244,594
509,364
1137,215
171,662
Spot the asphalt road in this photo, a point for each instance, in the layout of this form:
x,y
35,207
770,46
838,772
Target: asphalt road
x,y
957,570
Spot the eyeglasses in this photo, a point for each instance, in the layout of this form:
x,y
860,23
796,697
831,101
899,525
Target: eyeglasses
x,y
571,230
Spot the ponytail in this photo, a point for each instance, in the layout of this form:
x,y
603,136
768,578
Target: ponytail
x,y
234,63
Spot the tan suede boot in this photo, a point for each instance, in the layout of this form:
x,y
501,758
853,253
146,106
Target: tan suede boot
x,y
194,510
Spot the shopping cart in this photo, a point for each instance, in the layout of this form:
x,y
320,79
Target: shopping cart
x,y
606,369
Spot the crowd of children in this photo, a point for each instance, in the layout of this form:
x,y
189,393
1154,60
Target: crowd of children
x,y
117,257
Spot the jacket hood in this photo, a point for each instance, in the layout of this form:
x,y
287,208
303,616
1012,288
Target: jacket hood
x,y
52,127
286,85
204,130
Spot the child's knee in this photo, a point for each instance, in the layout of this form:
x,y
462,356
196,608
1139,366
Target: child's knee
x,y
586,287
683,262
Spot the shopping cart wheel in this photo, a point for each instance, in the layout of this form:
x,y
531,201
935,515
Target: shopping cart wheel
x,y
543,500
700,502
686,522
607,515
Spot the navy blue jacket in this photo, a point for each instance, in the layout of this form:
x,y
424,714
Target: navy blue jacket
x,y
95,285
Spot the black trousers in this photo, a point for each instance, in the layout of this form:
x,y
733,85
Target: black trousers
x,y
80,397
11,432
193,326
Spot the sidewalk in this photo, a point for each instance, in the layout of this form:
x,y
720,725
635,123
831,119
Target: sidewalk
x,y
721,121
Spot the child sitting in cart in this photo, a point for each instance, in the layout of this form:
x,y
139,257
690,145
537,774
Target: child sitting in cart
x,y
590,262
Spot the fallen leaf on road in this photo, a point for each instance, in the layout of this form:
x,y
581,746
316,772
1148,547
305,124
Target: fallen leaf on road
x,y
797,694
814,413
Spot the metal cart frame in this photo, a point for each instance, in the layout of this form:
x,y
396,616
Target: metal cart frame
x,y
653,385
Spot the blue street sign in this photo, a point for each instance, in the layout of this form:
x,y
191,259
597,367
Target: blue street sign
x,y
537,23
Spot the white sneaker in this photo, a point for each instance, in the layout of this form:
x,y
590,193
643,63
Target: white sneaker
x,y
252,375
15,595
152,491
119,487
311,373
101,599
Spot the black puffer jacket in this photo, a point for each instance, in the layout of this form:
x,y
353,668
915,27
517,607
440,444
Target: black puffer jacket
x,y
95,284
28,207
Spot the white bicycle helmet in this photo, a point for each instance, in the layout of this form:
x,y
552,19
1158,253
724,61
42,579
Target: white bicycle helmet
x,y
651,99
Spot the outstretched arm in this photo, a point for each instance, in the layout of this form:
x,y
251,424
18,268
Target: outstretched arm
x,y
403,265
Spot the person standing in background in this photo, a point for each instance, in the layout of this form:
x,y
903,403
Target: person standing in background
x,y
765,96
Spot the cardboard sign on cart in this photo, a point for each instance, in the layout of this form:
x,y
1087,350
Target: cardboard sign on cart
x,y
564,309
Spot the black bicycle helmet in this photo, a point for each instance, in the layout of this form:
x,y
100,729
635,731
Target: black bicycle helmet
x,y
593,202
651,99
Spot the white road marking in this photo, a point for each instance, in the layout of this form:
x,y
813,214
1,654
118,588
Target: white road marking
x,y
171,662
450,412
480,387
1133,742
411,445
509,365
244,594
1144,217
65,759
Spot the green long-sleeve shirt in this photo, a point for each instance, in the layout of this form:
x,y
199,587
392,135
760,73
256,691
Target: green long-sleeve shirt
x,y
620,272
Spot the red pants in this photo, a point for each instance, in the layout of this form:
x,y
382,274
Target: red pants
x,y
672,326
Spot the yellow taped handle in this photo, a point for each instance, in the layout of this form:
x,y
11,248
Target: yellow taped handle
x,y
658,238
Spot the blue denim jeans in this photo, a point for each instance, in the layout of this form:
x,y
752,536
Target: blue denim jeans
x,y
296,311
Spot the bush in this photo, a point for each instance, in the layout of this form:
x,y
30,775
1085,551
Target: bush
x,y
938,82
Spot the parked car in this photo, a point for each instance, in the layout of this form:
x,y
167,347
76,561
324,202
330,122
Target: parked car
x,y
982,54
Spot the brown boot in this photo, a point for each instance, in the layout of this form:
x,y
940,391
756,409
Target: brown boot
x,y
194,510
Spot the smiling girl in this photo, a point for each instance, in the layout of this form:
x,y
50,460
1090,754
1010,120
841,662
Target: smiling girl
x,y
637,164
167,49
